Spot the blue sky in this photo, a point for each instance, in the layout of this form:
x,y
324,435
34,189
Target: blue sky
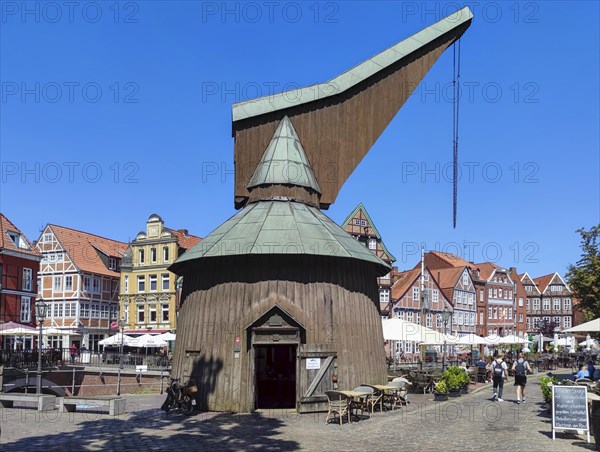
x,y
113,111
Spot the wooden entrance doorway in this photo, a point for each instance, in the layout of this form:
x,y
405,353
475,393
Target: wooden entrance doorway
x,y
275,375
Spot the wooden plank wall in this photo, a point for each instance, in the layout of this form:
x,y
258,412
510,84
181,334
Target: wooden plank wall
x,y
335,299
336,132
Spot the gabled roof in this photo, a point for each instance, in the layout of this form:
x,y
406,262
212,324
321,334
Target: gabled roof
x,y
284,161
543,282
445,260
279,227
6,243
526,279
486,269
354,213
448,279
83,248
359,73
186,241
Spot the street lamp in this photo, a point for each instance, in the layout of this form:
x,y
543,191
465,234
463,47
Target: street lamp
x,y
445,318
122,329
41,309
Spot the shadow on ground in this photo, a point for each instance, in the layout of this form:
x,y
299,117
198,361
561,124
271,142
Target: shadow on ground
x,y
154,430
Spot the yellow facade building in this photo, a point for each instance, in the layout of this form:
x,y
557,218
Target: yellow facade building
x,y
148,291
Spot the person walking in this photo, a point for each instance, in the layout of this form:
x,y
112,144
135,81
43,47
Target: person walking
x,y
73,350
520,368
499,374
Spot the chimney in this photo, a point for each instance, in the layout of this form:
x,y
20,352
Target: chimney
x,y
183,231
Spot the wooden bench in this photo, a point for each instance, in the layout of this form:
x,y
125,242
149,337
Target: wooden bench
x,y
45,402
115,405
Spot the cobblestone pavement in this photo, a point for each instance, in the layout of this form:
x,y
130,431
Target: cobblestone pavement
x,y
471,422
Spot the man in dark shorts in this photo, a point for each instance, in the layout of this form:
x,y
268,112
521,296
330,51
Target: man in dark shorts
x,y
520,368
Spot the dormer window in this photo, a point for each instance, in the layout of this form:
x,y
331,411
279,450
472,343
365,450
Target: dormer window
x,y
18,240
372,244
112,263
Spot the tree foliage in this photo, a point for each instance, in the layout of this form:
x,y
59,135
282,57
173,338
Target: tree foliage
x,y
584,277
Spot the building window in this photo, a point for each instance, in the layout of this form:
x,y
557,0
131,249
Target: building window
x,y
428,320
410,316
87,284
415,293
141,318
152,313
499,293
68,283
166,280
141,256
95,310
567,304
510,294
153,254
153,283
556,288
57,286
165,254
536,304
25,309
495,312
141,283
489,292
557,322
556,304
104,311
165,313
112,263
71,309
528,288
520,318
480,294
495,293
510,313
567,322
357,222
520,302
465,279
490,313
96,285
528,324
363,223
481,317
546,304
27,279
58,309
384,294
126,284
471,298
434,295
372,244
47,238
84,312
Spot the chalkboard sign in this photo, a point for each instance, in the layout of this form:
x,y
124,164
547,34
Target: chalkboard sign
x,y
570,408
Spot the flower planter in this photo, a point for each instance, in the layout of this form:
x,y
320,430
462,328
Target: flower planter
x,y
464,390
454,393
439,397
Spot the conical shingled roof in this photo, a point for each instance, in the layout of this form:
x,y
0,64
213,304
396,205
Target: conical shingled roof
x,y
279,227
284,161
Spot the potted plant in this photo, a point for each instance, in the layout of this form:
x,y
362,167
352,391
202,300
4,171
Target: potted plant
x,y
440,392
453,381
546,384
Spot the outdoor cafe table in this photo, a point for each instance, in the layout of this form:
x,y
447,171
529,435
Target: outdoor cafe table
x,y
390,393
353,395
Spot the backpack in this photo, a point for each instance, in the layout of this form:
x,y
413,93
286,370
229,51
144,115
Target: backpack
x,y
498,370
520,368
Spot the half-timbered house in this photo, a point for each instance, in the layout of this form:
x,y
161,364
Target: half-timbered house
x,y
79,279
549,299
360,226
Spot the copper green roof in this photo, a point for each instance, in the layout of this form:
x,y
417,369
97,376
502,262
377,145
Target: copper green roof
x,y
280,227
284,161
405,49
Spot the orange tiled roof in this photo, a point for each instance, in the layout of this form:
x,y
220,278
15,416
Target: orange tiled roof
x,y
186,241
452,259
404,282
6,242
448,277
84,248
486,269
543,281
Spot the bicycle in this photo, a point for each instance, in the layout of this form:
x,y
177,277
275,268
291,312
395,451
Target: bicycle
x,y
179,396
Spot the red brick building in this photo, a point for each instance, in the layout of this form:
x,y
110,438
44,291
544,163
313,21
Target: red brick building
x,y
19,265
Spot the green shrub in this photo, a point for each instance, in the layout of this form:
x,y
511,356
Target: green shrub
x,y
441,387
456,377
547,390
